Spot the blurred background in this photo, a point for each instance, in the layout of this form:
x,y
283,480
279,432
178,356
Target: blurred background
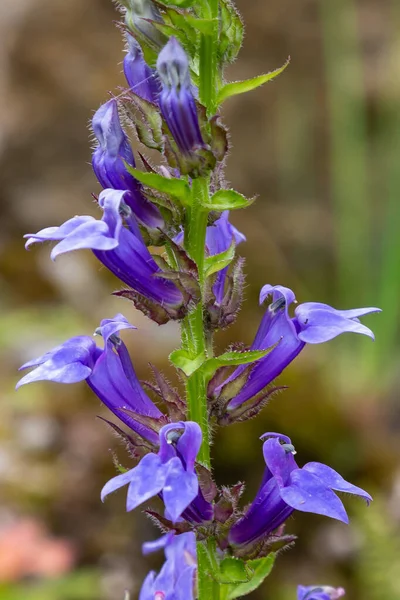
x,y
321,147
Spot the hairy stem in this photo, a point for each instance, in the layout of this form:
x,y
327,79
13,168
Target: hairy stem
x,y
193,334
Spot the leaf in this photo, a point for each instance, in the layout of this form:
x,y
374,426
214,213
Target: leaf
x,y
205,26
182,3
231,359
216,263
258,570
233,570
227,200
240,87
178,188
231,32
182,361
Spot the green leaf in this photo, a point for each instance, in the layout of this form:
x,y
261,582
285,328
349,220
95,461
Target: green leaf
x,y
216,263
233,570
231,359
205,26
227,200
178,188
258,570
240,87
182,3
231,32
181,360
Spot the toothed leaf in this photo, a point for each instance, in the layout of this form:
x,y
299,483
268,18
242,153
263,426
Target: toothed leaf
x,y
182,361
177,188
258,570
216,263
227,200
240,87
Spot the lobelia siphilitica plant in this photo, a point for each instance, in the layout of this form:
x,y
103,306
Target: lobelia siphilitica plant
x,y
214,548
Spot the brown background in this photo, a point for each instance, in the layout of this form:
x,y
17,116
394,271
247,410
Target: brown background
x,y
317,146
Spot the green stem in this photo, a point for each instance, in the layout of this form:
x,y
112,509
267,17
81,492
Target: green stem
x,y
208,61
209,588
193,334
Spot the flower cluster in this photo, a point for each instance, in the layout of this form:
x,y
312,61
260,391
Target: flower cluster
x,y
183,206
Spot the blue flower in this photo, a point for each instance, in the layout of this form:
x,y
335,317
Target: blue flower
x,y
108,372
219,238
313,323
176,100
285,488
319,593
120,249
141,78
176,580
170,472
109,159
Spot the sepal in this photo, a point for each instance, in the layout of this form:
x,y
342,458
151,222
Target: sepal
x,y
145,117
176,407
250,409
165,525
135,444
154,311
221,316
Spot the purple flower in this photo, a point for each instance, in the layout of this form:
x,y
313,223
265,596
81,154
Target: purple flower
x,y
176,100
313,323
285,488
319,593
142,80
120,249
109,160
169,472
176,580
219,238
220,235
108,372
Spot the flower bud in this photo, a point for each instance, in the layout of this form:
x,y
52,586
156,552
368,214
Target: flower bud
x,y
176,100
141,78
137,17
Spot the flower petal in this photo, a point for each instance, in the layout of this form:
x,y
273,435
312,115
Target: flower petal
x,y
159,544
115,483
147,480
180,488
333,480
353,313
308,494
54,234
277,291
189,444
92,235
109,327
280,462
321,325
